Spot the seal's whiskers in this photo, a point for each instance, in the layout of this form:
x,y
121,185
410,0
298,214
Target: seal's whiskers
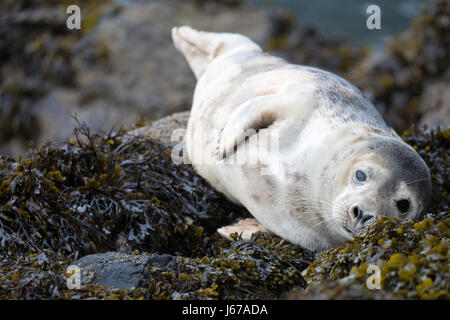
x,y
418,180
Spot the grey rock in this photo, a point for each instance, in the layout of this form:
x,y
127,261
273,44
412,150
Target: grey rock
x,y
120,270
164,128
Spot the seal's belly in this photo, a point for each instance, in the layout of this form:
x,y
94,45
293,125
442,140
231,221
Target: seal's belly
x,y
216,98
229,82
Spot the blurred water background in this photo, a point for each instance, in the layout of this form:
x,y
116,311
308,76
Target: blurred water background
x,y
349,17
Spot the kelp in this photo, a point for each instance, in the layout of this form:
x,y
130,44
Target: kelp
x,y
100,193
261,268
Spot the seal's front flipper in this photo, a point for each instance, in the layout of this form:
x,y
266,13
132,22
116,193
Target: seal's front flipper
x,y
292,104
246,228
200,47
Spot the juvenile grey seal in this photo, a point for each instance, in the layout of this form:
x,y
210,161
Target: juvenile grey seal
x,y
336,166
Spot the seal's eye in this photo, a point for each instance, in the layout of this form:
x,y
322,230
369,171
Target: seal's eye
x,y
361,176
403,205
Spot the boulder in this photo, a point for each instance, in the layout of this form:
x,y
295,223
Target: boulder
x,y
119,270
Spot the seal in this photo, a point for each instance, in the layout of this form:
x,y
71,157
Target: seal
x,y
333,165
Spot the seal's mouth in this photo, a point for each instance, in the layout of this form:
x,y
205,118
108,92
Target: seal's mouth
x,y
348,230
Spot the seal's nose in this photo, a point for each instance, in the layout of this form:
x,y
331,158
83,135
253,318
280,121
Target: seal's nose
x,y
358,216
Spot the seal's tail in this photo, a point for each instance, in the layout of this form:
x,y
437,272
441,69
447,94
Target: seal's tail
x,y
200,47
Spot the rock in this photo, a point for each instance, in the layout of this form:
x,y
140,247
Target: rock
x,y
258,267
123,271
163,129
435,103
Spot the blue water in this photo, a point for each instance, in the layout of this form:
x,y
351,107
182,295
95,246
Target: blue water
x,y
349,17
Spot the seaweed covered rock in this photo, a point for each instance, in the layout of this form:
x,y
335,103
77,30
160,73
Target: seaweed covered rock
x,y
306,45
434,147
60,203
412,256
43,275
435,102
163,129
100,193
122,192
260,268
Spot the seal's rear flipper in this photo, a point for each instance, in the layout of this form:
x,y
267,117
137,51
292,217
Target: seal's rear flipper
x,y
200,47
246,228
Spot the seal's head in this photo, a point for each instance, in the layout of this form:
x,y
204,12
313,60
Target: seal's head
x,y
383,177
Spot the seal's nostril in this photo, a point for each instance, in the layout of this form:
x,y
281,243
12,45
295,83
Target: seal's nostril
x,y
403,205
356,212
